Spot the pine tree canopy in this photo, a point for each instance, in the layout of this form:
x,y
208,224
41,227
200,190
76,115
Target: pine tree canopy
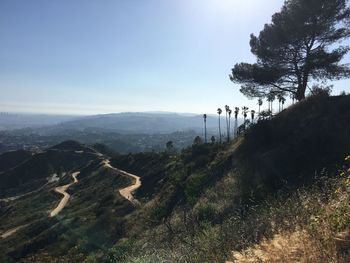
x,y
302,44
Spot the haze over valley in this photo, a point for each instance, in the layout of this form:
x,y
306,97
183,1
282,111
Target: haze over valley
x,y
182,131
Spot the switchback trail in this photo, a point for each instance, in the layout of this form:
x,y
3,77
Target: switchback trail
x,y
62,190
126,192
11,231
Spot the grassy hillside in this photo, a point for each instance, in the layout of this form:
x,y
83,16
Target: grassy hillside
x,y
11,159
285,179
92,220
297,144
212,199
34,171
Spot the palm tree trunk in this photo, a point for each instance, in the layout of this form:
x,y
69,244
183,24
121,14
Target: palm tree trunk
x,y
229,128
236,127
271,108
219,129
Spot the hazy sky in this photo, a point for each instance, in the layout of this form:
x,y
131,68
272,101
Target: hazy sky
x,y
93,56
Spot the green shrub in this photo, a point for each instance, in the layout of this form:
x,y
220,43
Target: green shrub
x,y
194,186
120,252
206,212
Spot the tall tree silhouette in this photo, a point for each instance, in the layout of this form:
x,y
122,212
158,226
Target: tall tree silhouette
x,y
260,102
245,114
301,45
292,96
270,99
283,100
219,113
280,98
205,127
235,130
229,124
227,108
252,115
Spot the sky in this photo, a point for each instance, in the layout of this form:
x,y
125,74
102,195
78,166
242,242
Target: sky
x,y
94,57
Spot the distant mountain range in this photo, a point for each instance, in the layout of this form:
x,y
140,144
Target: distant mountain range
x,y
181,195
11,121
146,122
121,132
140,123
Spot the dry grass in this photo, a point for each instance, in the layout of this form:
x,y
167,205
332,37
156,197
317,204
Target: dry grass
x,y
287,247
320,229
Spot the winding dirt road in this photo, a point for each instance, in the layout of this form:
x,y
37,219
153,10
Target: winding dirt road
x,y
126,192
62,190
11,231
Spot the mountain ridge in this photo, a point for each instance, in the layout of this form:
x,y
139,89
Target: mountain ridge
x,y
196,205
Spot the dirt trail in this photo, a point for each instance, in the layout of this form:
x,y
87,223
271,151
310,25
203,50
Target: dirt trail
x,y
13,198
62,190
126,192
11,232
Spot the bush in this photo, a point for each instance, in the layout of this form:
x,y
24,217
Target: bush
x,y
206,212
120,252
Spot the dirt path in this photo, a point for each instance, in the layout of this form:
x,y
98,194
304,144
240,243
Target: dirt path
x,y
62,190
11,232
127,192
13,198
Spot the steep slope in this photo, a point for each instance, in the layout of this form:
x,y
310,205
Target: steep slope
x,y
40,168
206,201
92,217
11,159
201,204
297,143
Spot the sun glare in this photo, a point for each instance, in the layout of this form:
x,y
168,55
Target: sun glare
x,y
240,4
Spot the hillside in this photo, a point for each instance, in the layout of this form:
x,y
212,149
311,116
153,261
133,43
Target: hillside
x,y
11,159
87,212
284,178
40,168
208,198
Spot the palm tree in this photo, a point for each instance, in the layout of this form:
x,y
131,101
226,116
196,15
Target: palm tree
x,y
270,99
252,115
283,101
279,97
292,96
245,113
260,102
227,108
219,112
229,124
205,127
236,121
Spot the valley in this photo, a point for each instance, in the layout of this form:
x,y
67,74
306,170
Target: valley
x,y
175,131
74,203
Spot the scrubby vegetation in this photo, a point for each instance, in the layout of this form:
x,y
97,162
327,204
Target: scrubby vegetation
x,y
284,181
280,181
310,224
